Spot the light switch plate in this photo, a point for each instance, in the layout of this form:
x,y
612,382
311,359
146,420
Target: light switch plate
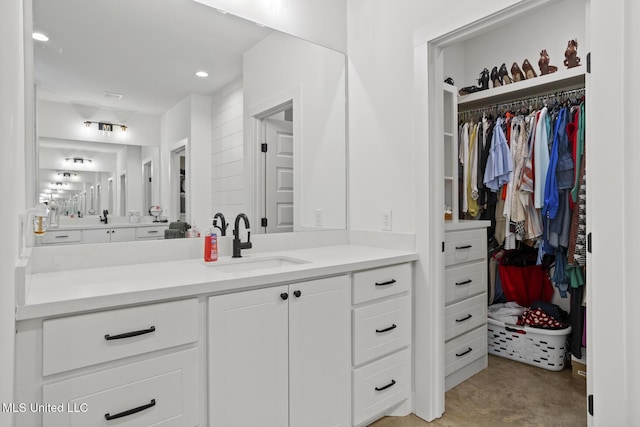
x,y
386,220
318,217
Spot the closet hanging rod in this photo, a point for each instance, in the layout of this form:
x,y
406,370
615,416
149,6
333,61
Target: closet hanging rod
x,y
537,101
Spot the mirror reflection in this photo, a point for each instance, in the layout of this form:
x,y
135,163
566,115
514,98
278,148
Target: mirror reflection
x,y
187,109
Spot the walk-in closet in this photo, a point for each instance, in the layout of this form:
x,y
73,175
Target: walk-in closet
x,y
508,146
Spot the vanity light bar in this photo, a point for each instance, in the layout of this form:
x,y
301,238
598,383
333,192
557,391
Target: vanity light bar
x,y
106,127
77,160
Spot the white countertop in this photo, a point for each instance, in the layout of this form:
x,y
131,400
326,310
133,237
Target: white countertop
x,y
72,291
98,226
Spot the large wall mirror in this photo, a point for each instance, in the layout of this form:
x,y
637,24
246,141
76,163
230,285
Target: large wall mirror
x,y
181,106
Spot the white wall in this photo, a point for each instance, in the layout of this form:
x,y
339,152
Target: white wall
x,y
227,152
12,183
66,121
282,64
200,162
322,22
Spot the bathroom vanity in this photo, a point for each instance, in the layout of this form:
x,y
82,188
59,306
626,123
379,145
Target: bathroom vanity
x,y
309,337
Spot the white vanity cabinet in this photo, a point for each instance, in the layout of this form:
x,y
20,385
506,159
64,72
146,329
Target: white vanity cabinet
x,y
128,366
381,339
279,356
101,235
465,290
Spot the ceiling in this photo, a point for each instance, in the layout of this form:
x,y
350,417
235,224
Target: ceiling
x,y
147,50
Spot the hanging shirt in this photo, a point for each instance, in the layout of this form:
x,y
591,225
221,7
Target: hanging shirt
x,y
463,157
471,178
541,158
551,196
499,165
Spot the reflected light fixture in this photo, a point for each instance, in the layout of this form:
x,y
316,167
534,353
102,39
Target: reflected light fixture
x,y
80,160
202,74
104,127
40,37
277,6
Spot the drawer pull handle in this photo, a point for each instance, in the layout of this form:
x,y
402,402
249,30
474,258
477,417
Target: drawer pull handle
x,y
130,334
390,328
466,282
62,237
464,247
152,231
464,352
465,319
128,412
390,282
392,383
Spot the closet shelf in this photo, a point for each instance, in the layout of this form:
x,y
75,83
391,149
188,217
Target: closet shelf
x,y
572,78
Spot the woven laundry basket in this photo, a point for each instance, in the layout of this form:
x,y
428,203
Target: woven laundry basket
x,y
544,348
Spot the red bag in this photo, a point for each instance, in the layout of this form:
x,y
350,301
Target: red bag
x,y
525,285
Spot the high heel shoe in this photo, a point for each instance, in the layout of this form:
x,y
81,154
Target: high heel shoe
x,y
516,72
504,75
495,77
543,63
483,81
529,72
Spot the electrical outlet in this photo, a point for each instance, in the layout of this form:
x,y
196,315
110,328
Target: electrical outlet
x,y
318,217
386,220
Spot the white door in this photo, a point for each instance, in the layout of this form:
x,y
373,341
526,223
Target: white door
x,y
147,186
248,359
320,353
278,178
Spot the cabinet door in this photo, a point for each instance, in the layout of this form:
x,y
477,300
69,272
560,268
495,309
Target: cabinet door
x,y
248,359
123,234
319,353
99,235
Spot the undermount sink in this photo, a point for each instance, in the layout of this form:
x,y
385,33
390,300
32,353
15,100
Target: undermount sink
x,y
239,265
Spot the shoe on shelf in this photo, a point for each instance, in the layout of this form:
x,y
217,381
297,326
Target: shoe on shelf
x,y
529,72
449,81
495,77
504,75
483,81
516,72
543,63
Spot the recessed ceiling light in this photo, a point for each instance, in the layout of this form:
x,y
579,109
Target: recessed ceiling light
x,y
40,37
202,74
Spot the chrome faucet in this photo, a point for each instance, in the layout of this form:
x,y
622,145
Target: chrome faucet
x,y
237,244
223,226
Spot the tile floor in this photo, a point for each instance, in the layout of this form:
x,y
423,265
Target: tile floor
x,y
508,394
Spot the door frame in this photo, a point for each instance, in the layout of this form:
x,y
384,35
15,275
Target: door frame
x,y
253,122
429,42
174,178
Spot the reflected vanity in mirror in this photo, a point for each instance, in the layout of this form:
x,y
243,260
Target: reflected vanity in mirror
x,y
189,109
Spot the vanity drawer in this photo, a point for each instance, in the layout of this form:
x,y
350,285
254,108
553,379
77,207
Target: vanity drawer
x,y
161,391
463,281
464,246
380,385
464,316
463,350
62,236
381,282
87,339
143,233
381,328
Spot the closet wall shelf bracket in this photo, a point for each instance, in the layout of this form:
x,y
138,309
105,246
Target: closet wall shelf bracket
x,y
561,80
